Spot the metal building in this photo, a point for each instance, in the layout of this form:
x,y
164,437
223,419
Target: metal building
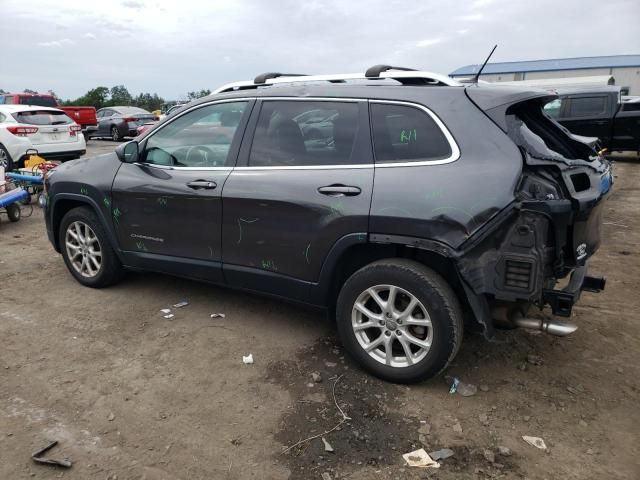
x,y
625,70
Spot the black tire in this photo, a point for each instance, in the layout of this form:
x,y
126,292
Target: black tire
x,y
431,290
13,212
115,134
5,159
111,270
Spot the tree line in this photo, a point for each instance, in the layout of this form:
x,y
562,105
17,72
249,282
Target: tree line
x,y
100,97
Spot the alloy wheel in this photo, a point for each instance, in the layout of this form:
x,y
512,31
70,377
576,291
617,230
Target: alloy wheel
x,y
4,159
392,325
83,249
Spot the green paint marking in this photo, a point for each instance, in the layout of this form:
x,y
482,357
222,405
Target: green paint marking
x,y
162,201
141,246
116,216
107,202
84,191
407,135
269,265
306,253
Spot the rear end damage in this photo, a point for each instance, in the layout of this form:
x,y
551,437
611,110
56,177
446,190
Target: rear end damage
x,y
536,251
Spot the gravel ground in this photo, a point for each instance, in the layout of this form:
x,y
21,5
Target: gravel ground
x,y
131,395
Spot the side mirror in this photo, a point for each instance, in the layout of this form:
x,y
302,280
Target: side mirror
x,y
128,152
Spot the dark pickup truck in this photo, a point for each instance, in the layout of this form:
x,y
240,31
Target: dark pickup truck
x,y
599,113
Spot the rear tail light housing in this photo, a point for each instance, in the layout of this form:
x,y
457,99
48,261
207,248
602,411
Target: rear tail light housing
x,y
156,118
74,129
129,119
22,131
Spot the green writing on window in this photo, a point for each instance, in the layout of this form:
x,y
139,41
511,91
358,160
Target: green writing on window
x,y
407,136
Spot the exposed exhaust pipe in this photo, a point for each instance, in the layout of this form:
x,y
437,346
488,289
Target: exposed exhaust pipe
x,y
553,327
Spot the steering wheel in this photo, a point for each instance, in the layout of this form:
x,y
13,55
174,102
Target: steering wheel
x,y
174,160
206,156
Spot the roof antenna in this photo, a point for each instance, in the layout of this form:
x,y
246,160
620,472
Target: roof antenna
x,y
475,79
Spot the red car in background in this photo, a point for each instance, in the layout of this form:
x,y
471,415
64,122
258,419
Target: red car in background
x,y
83,116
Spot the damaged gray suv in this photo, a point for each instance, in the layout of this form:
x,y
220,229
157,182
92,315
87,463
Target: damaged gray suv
x,y
408,206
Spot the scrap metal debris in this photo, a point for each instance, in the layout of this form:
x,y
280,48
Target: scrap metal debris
x,y
181,304
165,310
247,360
420,458
38,458
170,315
535,441
217,315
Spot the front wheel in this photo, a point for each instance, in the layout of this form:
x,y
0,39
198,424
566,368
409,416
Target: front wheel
x,y
400,320
86,249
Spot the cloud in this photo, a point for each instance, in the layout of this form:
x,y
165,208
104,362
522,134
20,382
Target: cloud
x,y
89,35
429,42
226,58
474,17
462,31
133,4
56,43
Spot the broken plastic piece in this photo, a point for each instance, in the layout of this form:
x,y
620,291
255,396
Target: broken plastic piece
x,y
454,385
441,454
535,441
248,359
217,315
170,315
166,310
38,458
420,458
181,304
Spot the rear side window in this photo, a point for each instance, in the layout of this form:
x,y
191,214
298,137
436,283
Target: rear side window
x,y
39,100
305,133
406,134
631,107
587,106
43,117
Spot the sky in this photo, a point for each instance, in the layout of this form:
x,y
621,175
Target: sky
x,y
175,46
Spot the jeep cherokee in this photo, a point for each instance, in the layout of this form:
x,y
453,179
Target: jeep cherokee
x,y
407,205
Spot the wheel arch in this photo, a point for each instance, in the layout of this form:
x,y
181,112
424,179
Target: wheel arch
x,y
354,255
64,203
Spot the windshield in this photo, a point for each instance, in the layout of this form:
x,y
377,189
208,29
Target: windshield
x,y
39,100
43,117
542,137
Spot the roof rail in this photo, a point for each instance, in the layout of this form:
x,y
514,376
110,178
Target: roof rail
x,y
263,77
404,76
376,70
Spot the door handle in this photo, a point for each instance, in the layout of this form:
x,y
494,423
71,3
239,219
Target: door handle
x,y
339,190
205,184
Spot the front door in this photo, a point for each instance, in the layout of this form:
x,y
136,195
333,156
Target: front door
x,y
302,184
167,207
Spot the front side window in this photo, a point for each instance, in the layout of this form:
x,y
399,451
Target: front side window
x,y
305,133
402,133
587,106
200,138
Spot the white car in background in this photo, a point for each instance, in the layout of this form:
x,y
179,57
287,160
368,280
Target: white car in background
x,y
48,130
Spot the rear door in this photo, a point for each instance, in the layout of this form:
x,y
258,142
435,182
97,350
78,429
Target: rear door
x,y
104,121
303,183
167,207
626,130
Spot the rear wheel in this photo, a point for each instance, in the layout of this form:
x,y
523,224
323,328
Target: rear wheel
x,y
86,249
5,159
115,134
13,212
400,320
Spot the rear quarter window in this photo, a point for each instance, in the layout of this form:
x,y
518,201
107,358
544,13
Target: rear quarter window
x,y
406,134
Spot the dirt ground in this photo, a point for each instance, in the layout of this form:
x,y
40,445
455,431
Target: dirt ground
x,y
131,395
